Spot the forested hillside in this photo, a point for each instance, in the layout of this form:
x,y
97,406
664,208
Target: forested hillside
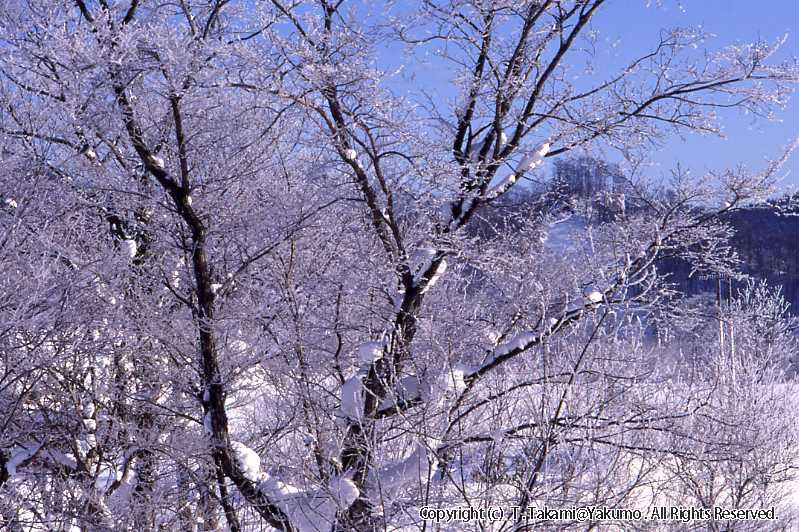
x,y
587,190
765,239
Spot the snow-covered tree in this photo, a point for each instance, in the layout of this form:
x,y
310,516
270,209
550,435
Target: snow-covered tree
x,y
242,287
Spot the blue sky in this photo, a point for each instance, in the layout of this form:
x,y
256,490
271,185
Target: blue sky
x,y
633,26
732,21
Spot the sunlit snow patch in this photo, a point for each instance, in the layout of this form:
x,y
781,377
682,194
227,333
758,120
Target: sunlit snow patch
x,y
129,247
352,399
595,297
248,461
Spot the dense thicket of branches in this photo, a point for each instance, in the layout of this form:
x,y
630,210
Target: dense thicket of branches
x,y
242,287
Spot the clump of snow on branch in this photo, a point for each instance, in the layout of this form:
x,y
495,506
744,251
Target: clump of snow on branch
x,y
440,269
311,510
352,398
503,185
247,461
517,343
156,161
344,491
455,377
421,261
90,424
19,455
129,247
10,203
533,159
529,162
595,297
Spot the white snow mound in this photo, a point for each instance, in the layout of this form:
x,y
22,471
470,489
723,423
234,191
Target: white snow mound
x,y
344,491
247,460
352,398
595,297
533,159
129,247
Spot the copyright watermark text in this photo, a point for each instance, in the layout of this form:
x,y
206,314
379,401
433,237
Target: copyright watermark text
x,y
581,514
